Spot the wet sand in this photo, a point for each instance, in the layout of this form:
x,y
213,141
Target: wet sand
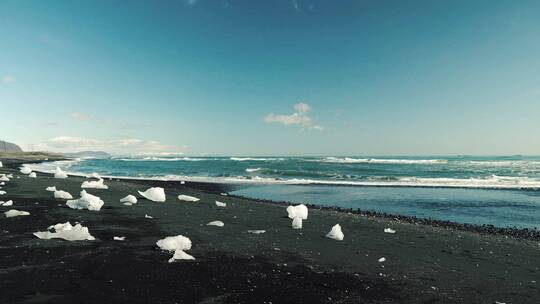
x,y
425,263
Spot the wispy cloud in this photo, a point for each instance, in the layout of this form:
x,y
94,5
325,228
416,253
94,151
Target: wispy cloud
x,y
82,117
191,2
300,117
7,79
120,146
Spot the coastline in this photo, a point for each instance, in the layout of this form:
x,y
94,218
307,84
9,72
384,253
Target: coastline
x,y
427,261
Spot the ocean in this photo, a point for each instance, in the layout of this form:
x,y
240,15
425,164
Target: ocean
x,y
500,190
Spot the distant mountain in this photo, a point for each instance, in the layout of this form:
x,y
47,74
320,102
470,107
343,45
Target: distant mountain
x,y
9,147
88,154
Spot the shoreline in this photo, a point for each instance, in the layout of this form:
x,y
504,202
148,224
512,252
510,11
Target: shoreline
x,y
424,263
217,188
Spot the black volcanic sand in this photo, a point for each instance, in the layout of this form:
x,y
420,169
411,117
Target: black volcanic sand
x,y
424,263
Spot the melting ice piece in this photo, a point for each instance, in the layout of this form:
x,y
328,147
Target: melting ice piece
x,y
4,178
7,204
336,233
220,204
178,244
180,255
148,216
381,260
58,173
32,175
188,198
13,213
182,182
94,175
155,194
94,185
67,232
389,230
256,231
86,201
119,238
224,194
52,188
62,195
1,164
26,170
2,183
216,223
2,192
300,211
297,223
130,199
127,204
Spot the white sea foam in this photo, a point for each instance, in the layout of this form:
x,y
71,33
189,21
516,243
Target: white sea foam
x,y
349,160
257,159
251,170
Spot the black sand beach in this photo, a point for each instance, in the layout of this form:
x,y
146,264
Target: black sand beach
x,y
425,262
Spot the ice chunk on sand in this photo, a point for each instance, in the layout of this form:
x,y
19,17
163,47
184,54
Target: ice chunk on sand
x,y
127,204
67,232
220,204
182,182
119,238
188,198
336,233
148,216
2,183
256,231
7,204
180,255
300,211
224,194
4,178
94,185
389,230
131,199
155,194
2,192
177,244
216,223
62,194
94,175
32,175
13,213
58,173
1,164
297,223
26,170
52,189
381,260
86,201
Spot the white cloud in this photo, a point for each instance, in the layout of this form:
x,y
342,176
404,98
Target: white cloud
x,y
300,118
119,146
7,79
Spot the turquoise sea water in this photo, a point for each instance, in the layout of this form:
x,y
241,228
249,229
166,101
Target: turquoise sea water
x,y
504,191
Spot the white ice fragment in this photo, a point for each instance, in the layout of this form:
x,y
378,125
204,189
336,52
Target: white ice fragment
x,y
13,213
172,243
180,255
94,185
148,216
62,195
224,194
256,231
127,204
52,188
26,170
119,238
297,223
131,199
300,211
67,232
2,192
182,182
381,260
2,183
7,204
155,194
188,198
4,178
216,223
389,230
58,173
32,175
220,204
336,233
1,164
86,201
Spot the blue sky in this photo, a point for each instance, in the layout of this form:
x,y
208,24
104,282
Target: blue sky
x,y
272,77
